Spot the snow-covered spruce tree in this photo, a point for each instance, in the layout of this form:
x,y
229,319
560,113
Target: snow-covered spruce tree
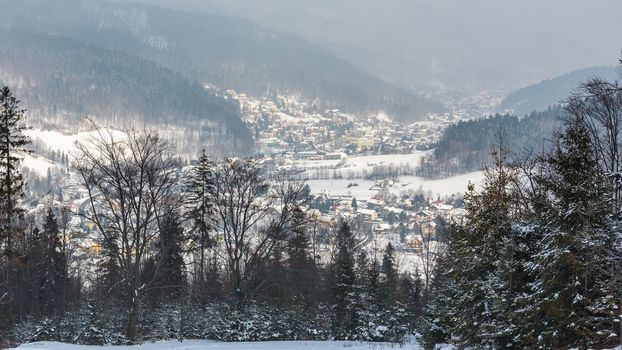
x,y
54,279
390,278
413,292
109,288
441,313
200,209
488,220
572,294
470,271
365,305
301,270
344,321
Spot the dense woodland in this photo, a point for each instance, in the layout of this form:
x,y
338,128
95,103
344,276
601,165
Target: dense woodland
x,y
466,145
536,262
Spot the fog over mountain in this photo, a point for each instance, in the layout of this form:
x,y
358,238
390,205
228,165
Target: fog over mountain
x,y
539,96
481,43
228,52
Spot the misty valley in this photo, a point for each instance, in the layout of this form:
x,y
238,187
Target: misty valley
x,y
269,174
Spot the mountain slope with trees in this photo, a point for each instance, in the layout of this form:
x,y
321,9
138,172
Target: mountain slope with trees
x,y
540,96
224,51
61,80
466,145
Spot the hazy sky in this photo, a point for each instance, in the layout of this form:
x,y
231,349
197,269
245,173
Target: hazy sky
x,y
484,42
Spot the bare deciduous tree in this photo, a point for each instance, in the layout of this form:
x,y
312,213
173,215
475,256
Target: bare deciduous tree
x,y
130,182
252,216
597,103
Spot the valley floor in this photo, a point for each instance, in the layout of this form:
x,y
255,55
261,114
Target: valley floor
x,y
214,345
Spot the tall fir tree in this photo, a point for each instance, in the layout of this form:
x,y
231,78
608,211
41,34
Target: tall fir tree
x,y
200,189
441,314
571,292
110,288
55,266
470,271
301,269
344,321
12,143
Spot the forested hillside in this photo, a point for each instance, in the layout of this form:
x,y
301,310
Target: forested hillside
x,y
538,97
61,80
466,146
227,52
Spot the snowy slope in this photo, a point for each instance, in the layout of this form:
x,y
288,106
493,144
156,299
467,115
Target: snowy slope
x,y
57,141
212,345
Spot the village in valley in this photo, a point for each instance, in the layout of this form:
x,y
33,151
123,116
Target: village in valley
x,y
358,169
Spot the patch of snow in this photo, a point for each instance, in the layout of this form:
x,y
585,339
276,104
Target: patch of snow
x,y
38,165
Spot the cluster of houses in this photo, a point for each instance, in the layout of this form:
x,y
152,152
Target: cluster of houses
x,y
288,129
292,126
405,222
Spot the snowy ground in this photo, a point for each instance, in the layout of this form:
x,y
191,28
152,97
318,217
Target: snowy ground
x,y
212,345
444,187
57,141
39,165
354,166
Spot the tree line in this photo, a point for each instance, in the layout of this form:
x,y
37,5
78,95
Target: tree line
x,y
150,249
466,145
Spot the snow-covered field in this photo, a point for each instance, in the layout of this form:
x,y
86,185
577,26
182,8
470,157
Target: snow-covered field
x,y
443,187
359,163
363,191
213,345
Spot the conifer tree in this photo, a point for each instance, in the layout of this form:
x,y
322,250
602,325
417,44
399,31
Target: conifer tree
x,y
390,281
108,271
55,266
201,210
571,291
170,276
300,265
344,321
441,314
12,142
470,271
364,305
